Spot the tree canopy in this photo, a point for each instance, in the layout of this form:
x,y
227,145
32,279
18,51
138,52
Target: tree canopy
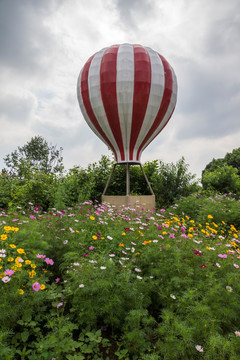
x,y
36,154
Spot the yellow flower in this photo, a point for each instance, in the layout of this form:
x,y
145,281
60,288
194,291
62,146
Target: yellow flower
x,y
28,262
0,267
7,228
21,251
235,235
18,259
210,217
14,228
42,286
94,237
31,273
20,291
33,266
190,235
12,246
3,237
164,232
92,217
121,245
18,264
10,259
14,268
123,234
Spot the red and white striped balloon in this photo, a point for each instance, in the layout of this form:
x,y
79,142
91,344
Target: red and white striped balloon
x,y
127,93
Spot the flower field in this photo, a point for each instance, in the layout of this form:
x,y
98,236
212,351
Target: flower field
x,y
96,282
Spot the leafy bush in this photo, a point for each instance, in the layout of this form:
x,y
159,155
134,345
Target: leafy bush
x,y
199,205
92,282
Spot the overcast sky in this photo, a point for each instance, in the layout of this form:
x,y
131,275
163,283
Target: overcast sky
x,y
45,43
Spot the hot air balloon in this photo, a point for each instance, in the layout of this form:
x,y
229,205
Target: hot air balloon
x,y
127,94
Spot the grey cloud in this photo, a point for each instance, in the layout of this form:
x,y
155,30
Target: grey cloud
x,y
130,11
17,108
23,34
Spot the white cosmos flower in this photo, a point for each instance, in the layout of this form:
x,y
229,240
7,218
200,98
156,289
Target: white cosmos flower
x,y
199,348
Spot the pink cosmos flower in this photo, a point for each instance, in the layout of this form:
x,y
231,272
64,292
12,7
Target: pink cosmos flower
x,y
49,261
223,256
60,304
91,248
237,333
8,272
32,217
236,266
36,286
39,256
57,280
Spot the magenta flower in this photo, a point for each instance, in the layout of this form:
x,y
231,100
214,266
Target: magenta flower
x,y
39,256
36,286
57,280
91,248
32,217
8,272
203,266
60,304
236,266
49,261
223,256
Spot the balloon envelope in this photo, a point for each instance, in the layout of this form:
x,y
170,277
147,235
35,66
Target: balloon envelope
x,y
127,94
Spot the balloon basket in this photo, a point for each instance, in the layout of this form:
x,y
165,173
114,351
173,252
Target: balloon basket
x,y
138,202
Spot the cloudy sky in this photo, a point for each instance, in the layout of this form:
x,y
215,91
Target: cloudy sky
x,y
45,43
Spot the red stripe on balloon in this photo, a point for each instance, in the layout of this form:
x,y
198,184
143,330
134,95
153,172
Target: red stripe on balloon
x,y
108,85
142,85
88,106
167,94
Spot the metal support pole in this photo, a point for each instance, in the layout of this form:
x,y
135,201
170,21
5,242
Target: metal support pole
x,y
109,179
127,179
147,179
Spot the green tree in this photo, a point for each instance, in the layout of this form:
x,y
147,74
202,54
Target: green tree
x,y
36,154
171,181
231,159
224,179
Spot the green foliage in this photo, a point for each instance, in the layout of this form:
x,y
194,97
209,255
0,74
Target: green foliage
x,y
38,189
198,206
120,284
230,159
36,154
224,179
170,181
5,190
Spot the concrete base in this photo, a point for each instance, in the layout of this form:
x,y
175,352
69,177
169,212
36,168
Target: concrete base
x,y
143,201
